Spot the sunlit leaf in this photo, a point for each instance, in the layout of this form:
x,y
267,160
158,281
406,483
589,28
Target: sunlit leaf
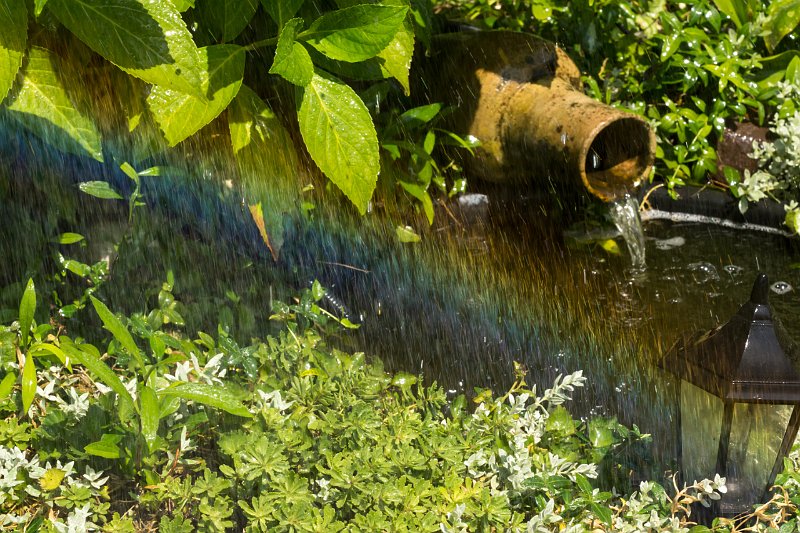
x,y
13,39
258,217
28,383
180,115
218,396
42,105
27,308
98,370
107,446
338,132
356,33
149,413
783,16
610,246
145,38
118,330
51,479
69,238
407,234
100,189
7,385
292,61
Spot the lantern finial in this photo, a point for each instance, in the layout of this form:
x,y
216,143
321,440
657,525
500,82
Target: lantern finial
x,y
760,293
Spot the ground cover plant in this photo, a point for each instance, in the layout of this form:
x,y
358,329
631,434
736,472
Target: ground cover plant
x,y
691,68
139,425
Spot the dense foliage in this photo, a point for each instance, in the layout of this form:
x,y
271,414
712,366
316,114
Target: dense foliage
x,y
160,430
124,81
690,67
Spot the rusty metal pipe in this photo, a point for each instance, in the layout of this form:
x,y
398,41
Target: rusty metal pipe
x,y
521,97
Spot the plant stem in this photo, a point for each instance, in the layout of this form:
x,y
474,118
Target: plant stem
x,y
261,44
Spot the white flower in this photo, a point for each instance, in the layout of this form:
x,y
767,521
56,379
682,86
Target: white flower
x,y
273,399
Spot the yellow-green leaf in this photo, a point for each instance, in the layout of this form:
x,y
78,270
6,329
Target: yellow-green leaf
x,y
51,479
610,246
783,16
27,307
180,115
218,396
28,383
356,33
13,39
338,132
292,61
42,105
407,234
145,38
7,385
281,10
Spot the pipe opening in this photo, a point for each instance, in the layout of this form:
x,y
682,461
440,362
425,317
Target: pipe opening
x,y
618,158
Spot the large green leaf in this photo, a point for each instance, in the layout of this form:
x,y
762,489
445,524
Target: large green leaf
x,y
227,19
281,10
99,370
41,105
28,383
339,134
7,385
149,414
356,33
99,189
27,307
394,61
146,38
292,61
180,115
118,330
783,16
13,38
217,396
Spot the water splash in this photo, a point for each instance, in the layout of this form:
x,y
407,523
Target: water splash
x,y
625,214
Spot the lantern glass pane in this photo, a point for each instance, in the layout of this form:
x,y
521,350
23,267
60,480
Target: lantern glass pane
x,y
756,436
701,422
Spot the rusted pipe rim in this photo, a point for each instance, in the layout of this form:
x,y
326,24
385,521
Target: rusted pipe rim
x,y
618,154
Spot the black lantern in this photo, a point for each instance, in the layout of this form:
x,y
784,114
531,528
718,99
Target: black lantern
x,y
739,398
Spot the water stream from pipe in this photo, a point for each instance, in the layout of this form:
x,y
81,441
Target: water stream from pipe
x,y
625,214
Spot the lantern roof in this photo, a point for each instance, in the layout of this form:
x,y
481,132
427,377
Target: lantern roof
x,y
744,360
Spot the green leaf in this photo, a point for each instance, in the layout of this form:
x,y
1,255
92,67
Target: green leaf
x,y
38,6
738,10
218,396
783,16
227,19
7,385
395,59
51,479
13,39
118,330
28,383
99,189
27,307
421,194
180,115
99,370
149,413
69,238
600,435
183,5
145,38
107,446
281,10
41,105
407,234
292,61
339,134
252,122
356,33
561,421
